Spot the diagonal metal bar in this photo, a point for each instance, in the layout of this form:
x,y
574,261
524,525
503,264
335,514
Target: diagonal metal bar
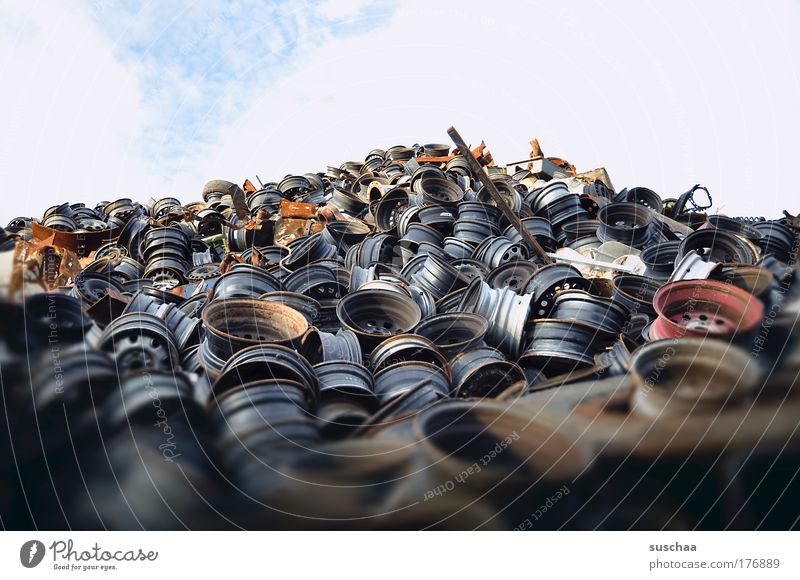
x,y
476,168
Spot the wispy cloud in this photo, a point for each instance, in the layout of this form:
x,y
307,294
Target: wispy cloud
x,y
202,63
69,110
633,89
110,98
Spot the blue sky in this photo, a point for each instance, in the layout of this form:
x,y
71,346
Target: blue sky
x,y
108,98
201,63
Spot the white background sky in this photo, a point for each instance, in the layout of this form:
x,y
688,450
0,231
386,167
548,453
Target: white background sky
x,y
104,98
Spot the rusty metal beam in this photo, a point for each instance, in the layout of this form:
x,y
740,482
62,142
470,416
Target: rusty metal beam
x,y
476,168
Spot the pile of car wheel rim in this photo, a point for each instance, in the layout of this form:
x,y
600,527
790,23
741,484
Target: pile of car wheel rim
x,y
405,287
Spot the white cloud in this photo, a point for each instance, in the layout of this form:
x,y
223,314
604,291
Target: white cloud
x,y
106,98
341,8
69,111
204,62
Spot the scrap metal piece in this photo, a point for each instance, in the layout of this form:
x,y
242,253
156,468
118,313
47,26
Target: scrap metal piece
x,y
374,315
685,376
506,310
704,308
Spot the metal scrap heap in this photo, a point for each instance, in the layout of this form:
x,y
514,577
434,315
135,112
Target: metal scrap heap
x,y
419,339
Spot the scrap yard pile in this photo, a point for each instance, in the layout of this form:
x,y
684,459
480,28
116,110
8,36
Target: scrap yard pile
x,y
424,338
